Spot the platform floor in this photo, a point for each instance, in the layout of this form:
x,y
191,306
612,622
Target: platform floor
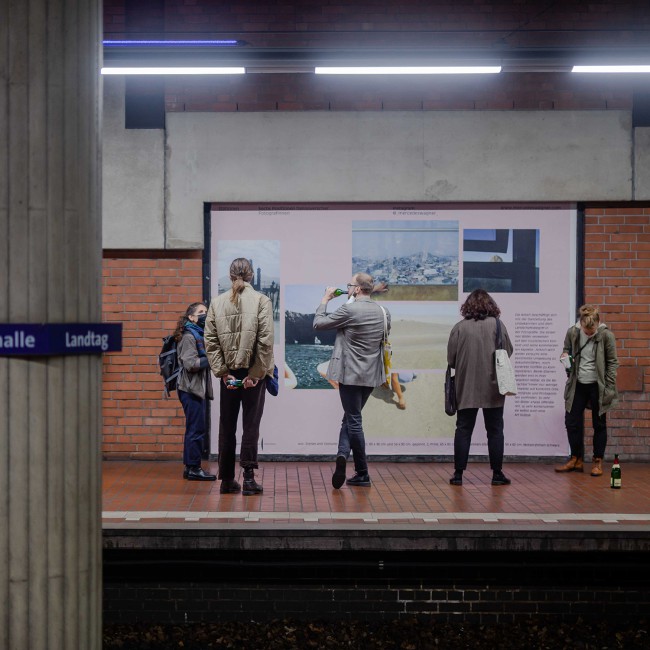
x,y
404,495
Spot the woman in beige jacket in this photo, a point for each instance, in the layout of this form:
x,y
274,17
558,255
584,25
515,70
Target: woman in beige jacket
x,y
239,344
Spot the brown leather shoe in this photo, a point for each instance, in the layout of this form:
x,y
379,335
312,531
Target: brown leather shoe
x,y
574,464
597,467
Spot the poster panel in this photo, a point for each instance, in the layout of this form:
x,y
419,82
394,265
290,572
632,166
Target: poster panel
x,y
431,257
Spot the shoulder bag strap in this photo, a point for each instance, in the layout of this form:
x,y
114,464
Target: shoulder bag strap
x,y
383,311
499,340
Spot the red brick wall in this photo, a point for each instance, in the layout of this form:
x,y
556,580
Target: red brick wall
x,y
147,291
617,277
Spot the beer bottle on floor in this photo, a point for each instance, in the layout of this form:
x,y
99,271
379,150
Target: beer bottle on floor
x,y
615,481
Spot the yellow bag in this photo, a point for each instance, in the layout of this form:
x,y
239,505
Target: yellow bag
x,y
387,351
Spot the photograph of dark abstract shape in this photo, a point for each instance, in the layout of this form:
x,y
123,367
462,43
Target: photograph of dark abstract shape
x,y
418,260
501,260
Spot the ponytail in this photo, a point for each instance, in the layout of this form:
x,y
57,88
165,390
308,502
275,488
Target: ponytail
x,y
241,271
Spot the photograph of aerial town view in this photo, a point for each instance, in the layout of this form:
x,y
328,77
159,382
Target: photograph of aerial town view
x,y
418,260
264,255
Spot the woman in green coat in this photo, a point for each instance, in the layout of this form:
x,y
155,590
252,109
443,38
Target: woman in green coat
x,y
591,349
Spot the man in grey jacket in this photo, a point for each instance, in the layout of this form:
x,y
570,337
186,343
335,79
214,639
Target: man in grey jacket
x,y
357,365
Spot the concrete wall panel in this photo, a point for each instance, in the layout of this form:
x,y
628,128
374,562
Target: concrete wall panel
x,y
391,156
642,164
133,178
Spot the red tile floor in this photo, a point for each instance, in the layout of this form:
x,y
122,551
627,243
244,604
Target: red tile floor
x,y
401,494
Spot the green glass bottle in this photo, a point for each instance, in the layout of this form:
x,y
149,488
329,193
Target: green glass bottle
x,y
339,292
615,480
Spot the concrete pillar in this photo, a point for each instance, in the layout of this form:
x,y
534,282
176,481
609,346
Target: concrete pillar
x,y
50,271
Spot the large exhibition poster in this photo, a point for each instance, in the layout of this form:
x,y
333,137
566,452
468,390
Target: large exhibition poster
x,y
431,257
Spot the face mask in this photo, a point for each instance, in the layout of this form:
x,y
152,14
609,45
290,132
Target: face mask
x,y
200,321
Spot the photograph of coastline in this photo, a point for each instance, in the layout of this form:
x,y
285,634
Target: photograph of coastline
x,y
306,352
417,259
501,260
264,255
419,333
423,415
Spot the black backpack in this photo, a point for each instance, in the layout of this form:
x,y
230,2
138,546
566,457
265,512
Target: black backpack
x,y
170,368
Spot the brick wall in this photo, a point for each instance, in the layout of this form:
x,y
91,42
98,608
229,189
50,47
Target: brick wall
x,y
469,587
617,277
147,291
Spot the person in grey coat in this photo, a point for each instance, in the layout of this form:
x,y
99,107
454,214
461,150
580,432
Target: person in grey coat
x,y
194,387
470,351
357,365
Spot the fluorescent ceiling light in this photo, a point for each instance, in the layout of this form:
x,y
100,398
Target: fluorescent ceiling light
x,y
175,70
409,70
183,43
611,68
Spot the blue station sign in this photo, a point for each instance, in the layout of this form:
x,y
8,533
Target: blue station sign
x,y
54,339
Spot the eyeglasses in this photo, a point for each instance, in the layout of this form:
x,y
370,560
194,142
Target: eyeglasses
x,y
352,285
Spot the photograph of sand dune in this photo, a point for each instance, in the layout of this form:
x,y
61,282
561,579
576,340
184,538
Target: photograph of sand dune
x,y
423,416
419,333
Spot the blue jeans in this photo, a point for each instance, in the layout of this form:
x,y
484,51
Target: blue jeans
x,y
194,409
465,421
351,438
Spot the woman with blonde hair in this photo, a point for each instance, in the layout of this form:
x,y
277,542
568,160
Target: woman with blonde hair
x,y
239,343
591,349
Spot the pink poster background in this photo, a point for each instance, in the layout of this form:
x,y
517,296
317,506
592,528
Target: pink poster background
x,y
316,249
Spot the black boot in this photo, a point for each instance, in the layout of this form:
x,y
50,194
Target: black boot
x,y
499,478
457,478
229,486
360,479
250,486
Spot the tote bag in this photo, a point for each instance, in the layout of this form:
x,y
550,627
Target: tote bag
x,y
504,371
450,392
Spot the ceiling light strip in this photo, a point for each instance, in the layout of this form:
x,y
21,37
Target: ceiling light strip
x,y
173,71
359,70
611,68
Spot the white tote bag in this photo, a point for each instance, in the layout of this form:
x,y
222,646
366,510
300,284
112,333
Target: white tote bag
x,y
504,370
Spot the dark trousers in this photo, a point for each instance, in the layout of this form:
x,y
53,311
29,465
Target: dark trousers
x,y
194,409
351,437
574,421
252,403
465,421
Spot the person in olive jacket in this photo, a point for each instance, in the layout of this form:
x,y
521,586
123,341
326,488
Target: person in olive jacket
x,y
239,343
591,348
194,387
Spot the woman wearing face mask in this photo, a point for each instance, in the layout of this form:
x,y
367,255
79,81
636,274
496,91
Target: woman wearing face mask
x,y
194,387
